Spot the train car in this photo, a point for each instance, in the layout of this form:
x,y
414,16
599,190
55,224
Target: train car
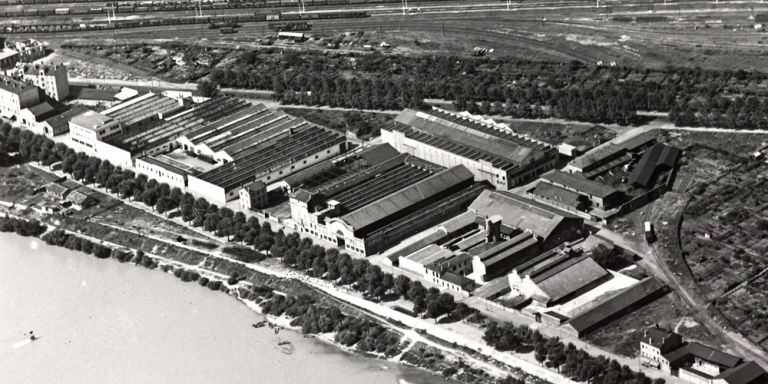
x,y
63,11
228,30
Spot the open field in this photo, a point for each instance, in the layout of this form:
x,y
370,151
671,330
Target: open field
x,y
713,36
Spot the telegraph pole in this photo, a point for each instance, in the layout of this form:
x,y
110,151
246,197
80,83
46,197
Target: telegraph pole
x,y
405,6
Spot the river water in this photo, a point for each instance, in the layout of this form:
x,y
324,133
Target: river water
x,y
100,321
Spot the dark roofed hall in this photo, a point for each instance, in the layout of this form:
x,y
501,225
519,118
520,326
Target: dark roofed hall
x,y
579,183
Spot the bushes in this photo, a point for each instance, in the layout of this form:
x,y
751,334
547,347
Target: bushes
x,y
21,227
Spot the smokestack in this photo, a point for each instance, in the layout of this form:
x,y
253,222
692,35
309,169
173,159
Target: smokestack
x,y
488,230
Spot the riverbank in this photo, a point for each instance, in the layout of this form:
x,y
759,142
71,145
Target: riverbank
x,y
100,321
218,282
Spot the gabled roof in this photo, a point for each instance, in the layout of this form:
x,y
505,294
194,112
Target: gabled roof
x,y
747,373
79,197
42,111
656,336
569,276
579,183
407,197
56,189
515,213
585,321
704,352
12,85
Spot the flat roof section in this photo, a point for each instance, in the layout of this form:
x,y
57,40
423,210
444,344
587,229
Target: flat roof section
x,y
92,120
515,213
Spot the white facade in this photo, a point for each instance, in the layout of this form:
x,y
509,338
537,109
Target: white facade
x,y
15,96
161,174
51,79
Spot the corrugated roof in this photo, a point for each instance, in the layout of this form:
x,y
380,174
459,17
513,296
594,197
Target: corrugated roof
x,y
579,183
407,197
571,276
460,133
516,214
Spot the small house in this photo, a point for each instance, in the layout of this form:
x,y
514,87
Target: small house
x,y
81,199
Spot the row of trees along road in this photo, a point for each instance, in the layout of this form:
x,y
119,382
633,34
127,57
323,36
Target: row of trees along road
x,y
507,86
298,253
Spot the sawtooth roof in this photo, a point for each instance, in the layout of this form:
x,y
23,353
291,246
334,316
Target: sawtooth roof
x,y
407,197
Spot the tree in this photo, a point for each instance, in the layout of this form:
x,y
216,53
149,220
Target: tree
x,y
207,88
150,197
164,204
401,285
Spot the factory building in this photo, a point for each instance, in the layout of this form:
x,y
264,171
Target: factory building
x,y
516,230
290,150
553,278
379,198
491,151
222,140
597,195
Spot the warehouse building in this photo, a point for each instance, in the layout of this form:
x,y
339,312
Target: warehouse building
x,y
598,195
556,278
161,137
491,151
290,150
517,229
384,198
224,139
609,155
52,79
166,169
625,301
143,111
655,160
16,95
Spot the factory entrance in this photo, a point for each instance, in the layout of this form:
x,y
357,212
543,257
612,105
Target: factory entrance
x,y
340,239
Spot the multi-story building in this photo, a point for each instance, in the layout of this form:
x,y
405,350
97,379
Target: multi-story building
x,y
8,58
29,50
493,152
15,96
655,343
91,126
51,79
696,363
